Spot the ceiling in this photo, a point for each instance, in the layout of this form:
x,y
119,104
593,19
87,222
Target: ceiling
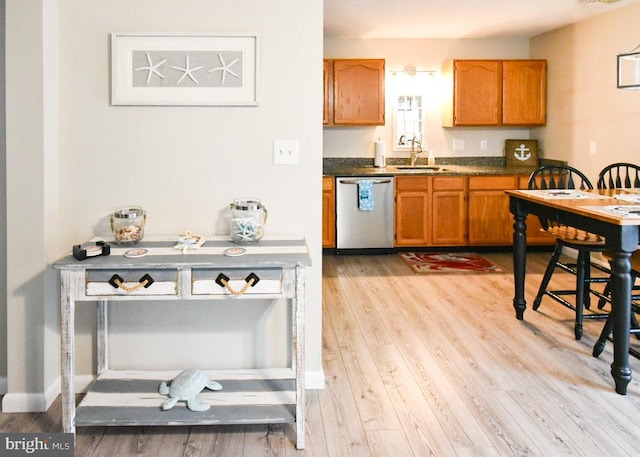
x,y
455,18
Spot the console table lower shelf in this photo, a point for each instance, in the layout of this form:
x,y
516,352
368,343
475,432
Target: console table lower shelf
x,y
131,398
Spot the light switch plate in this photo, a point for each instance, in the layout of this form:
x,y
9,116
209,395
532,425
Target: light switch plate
x,y
285,152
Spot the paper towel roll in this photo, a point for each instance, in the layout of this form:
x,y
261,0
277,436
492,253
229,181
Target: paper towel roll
x,y
380,159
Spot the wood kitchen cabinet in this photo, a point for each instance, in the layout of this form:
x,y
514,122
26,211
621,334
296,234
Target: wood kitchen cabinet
x,y
448,200
495,93
490,222
327,80
430,211
448,210
524,92
535,235
328,212
476,91
354,92
412,211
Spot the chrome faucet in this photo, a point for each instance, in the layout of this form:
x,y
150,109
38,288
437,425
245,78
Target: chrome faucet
x,y
415,150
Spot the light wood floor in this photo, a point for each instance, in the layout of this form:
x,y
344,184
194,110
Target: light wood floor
x,y
423,365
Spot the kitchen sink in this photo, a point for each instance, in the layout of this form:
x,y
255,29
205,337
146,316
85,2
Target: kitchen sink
x,y
421,168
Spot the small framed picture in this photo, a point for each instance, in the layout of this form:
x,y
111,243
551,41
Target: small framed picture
x,y
184,69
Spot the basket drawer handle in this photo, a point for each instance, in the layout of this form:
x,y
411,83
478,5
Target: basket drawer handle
x,y
117,282
223,281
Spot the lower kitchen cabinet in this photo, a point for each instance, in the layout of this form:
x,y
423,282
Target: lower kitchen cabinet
x,y
490,222
446,211
328,212
412,211
448,200
535,234
430,211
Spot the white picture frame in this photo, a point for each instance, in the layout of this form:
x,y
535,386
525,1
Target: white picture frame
x,y
184,69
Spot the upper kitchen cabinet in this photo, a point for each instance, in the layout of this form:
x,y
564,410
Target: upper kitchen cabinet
x,y
354,92
495,93
524,92
477,98
327,90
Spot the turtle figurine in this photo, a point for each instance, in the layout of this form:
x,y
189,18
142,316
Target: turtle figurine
x,y
185,387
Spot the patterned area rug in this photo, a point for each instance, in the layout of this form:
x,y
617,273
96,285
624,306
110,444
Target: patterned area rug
x,y
448,262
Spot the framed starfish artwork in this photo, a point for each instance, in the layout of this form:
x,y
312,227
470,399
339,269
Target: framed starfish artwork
x,y
181,69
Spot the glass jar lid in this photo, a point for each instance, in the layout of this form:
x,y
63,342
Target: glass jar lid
x,y
129,212
247,204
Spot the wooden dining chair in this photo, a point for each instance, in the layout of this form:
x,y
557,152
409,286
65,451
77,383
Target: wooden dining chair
x,y
620,175
635,309
585,243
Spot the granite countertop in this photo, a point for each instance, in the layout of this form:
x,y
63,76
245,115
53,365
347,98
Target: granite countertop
x,y
448,166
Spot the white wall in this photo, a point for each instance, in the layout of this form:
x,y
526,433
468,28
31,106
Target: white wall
x,y
425,55
27,111
72,159
3,208
584,104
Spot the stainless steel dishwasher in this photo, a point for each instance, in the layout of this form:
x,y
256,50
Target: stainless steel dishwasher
x,y
364,229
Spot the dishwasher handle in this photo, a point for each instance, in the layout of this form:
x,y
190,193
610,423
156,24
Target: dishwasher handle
x,y
357,181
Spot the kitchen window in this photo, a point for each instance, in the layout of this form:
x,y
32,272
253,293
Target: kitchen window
x,y
411,98
408,122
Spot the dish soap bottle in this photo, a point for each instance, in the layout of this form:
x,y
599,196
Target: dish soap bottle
x,y
431,159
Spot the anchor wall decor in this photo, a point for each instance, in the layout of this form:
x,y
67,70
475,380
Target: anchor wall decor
x,y
521,153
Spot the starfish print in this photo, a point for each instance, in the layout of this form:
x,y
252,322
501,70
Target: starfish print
x,y
151,68
225,68
187,71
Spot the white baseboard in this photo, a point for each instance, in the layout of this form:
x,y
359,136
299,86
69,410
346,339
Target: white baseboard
x,y
52,393
37,402
23,402
314,380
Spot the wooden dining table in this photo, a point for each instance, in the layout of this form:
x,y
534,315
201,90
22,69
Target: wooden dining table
x,y
613,214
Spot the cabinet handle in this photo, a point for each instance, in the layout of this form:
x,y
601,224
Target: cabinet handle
x,y
223,281
118,283
357,181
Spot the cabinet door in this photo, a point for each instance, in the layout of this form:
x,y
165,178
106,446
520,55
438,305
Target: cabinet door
x,y
328,212
449,218
358,92
449,211
535,235
477,95
327,91
490,222
412,210
524,92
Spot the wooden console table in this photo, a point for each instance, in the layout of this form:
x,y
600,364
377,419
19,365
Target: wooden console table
x,y
274,266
